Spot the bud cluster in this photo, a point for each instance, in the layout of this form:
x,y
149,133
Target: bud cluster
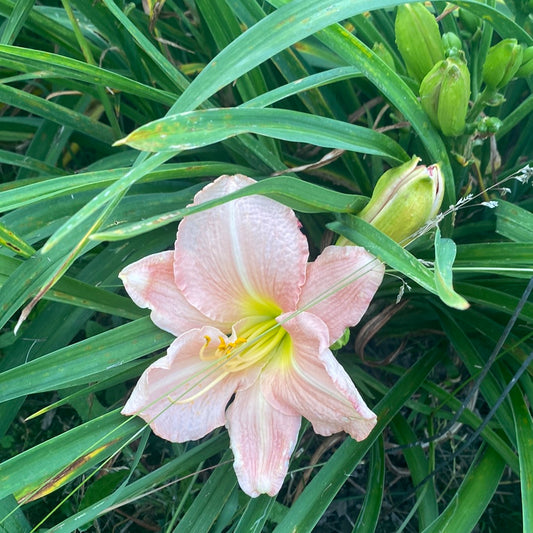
x,y
438,66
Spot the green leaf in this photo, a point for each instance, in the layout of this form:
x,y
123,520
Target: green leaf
x,y
13,242
514,222
524,439
15,21
255,514
471,499
53,463
55,65
74,292
12,519
368,518
79,362
293,192
29,193
190,130
419,468
497,299
303,84
56,113
445,251
28,162
179,466
495,254
284,27
469,352
210,502
161,62
384,248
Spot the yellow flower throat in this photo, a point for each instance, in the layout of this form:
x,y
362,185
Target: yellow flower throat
x,y
259,342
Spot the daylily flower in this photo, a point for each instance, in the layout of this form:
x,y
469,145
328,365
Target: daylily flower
x,y
253,322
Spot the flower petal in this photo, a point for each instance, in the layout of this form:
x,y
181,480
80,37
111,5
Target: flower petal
x,y
150,283
314,384
162,396
246,257
262,439
333,271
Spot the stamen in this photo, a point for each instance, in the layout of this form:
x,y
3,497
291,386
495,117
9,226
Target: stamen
x,y
203,355
264,345
264,338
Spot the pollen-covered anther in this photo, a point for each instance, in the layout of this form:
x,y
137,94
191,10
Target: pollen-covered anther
x,y
225,348
261,349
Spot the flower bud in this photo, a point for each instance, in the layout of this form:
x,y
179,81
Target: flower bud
x,y
418,39
452,44
444,95
486,126
405,198
502,62
469,22
526,67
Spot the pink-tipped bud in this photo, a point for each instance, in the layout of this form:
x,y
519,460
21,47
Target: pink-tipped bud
x,y
405,198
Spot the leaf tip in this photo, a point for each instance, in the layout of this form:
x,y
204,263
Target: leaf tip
x,y
120,142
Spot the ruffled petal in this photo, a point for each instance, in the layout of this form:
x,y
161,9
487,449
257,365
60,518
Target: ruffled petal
x,y
333,271
262,439
150,283
313,384
243,258
181,396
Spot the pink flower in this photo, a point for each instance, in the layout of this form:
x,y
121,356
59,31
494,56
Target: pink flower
x,y
253,322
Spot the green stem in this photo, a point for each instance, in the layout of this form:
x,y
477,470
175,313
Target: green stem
x,y
486,95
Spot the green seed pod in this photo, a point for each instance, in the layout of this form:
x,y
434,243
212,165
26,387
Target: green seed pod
x,y
418,39
526,67
405,198
444,95
502,62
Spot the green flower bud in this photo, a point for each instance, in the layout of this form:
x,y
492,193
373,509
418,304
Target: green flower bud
x,y
381,51
418,39
486,126
502,62
470,22
526,67
452,44
405,198
444,95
